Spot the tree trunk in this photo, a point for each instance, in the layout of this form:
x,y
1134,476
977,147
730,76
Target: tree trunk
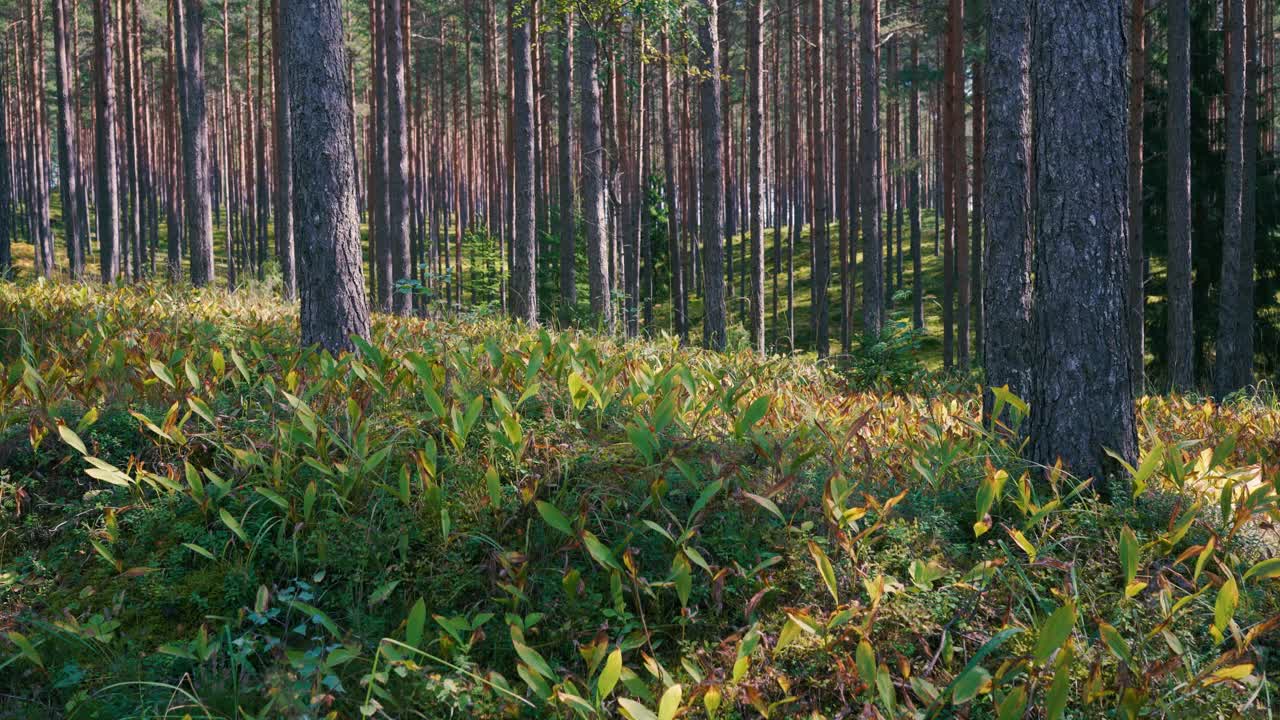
x,y
1007,205
917,275
960,182
283,163
568,253
1082,393
755,201
1135,298
195,145
107,198
1181,331
593,187
314,56
68,147
873,309
1234,362
523,289
712,205
397,158
678,294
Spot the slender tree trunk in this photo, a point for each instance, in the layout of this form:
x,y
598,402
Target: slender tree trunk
x,y
105,167
678,293
755,200
821,243
568,251
397,156
960,187
917,274
6,188
524,288
1135,299
1181,331
283,162
68,147
593,182
712,204
38,159
873,309
1007,206
195,145
1234,362
314,56
1082,393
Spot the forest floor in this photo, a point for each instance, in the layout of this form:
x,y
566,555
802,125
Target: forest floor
x,y
469,519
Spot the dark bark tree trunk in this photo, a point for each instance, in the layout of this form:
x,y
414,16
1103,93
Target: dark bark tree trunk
x,y
1135,298
38,157
1007,206
106,198
68,145
755,200
960,182
523,289
1181,331
380,208
314,56
6,188
712,205
679,306
568,251
1082,392
1234,362
195,145
593,181
873,306
821,243
397,157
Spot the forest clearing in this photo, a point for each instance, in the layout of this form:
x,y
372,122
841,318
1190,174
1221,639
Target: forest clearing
x,y
643,359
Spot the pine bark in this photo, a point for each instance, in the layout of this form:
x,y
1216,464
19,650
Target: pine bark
x,y
195,145
284,223
1082,392
1234,361
1181,330
679,306
68,145
873,305
1135,298
523,302
712,201
1007,205
106,193
568,251
397,158
593,181
755,200
330,284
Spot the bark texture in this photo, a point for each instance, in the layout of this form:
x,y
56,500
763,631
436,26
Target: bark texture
x,y
1007,206
593,182
1181,338
195,146
106,175
873,305
712,205
523,289
324,175
1082,392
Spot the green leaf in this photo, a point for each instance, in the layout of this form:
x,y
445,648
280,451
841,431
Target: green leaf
x,y
319,616
865,657
1115,642
670,703
232,523
493,486
1013,705
1055,632
162,372
634,710
556,519
609,675
199,550
824,566
599,551
1128,555
26,648
765,503
752,415
531,657
1224,608
417,620
969,684
1265,570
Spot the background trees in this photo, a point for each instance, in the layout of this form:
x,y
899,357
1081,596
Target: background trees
x,y
648,169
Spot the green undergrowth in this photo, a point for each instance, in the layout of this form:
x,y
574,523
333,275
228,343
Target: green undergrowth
x,y
471,519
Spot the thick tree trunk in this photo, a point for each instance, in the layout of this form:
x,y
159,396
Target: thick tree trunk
x,y
1234,362
523,290
712,205
68,147
1007,206
1082,392
568,251
397,158
873,306
1181,331
195,145
107,198
593,182
314,56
